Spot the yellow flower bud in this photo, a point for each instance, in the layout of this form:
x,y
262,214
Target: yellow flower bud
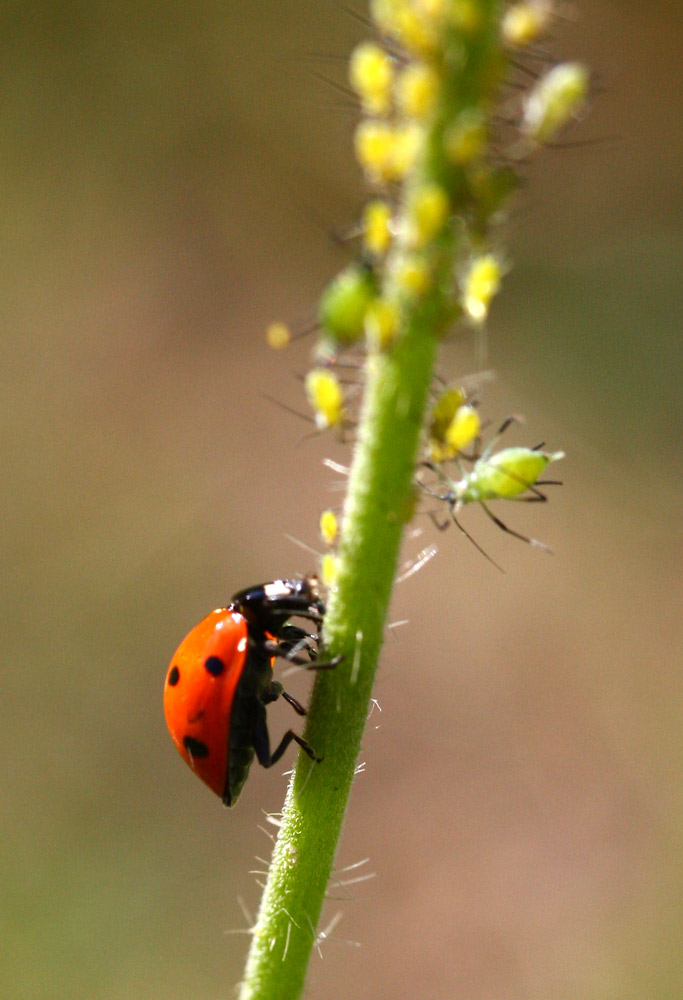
x,y
329,567
385,152
326,397
377,227
410,139
481,283
278,335
463,429
465,15
328,526
524,22
416,90
433,9
371,73
412,276
416,32
443,412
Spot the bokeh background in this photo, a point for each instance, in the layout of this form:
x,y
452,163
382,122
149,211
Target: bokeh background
x,y
170,177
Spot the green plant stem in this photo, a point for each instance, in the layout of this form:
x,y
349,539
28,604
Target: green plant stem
x,y
377,507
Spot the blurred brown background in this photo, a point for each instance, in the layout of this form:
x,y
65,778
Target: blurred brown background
x,y
169,172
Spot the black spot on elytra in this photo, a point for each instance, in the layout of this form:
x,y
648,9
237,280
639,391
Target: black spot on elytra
x,y
214,666
195,747
173,676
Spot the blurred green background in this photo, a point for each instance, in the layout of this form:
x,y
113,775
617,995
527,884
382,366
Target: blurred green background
x,y
170,173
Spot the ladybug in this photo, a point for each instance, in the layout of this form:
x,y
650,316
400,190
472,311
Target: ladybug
x,y
221,679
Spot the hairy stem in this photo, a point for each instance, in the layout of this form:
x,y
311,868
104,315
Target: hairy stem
x,y
379,502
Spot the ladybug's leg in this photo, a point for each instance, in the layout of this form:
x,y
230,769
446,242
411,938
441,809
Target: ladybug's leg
x,y
284,743
293,634
274,691
328,665
296,705
262,743
279,615
296,640
261,738
271,648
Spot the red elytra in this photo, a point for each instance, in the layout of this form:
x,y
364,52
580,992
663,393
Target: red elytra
x,y
197,702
